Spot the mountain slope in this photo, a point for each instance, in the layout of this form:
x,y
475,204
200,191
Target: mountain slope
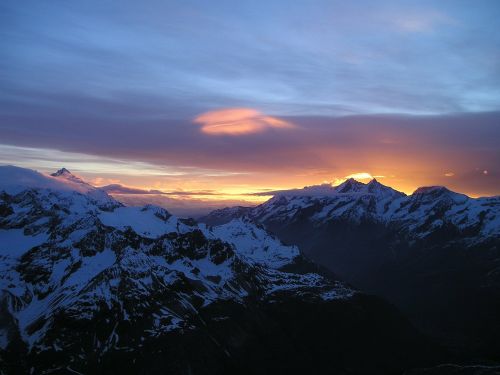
x,y
427,210
435,253
89,285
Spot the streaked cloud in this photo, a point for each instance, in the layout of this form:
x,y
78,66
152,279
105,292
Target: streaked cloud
x,y
313,58
420,21
50,159
238,121
159,155
182,207
102,169
408,91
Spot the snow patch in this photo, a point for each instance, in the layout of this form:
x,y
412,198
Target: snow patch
x,y
14,243
143,222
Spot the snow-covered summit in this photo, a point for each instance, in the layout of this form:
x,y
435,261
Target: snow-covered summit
x,y
63,253
348,187
431,190
420,214
434,194
314,190
62,172
375,187
255,243
15,179
65,174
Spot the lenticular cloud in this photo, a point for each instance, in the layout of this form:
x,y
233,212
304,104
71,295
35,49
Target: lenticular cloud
x,y
238,121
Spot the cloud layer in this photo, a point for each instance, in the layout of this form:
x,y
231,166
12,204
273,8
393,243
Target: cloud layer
x,y
283,94
409,151
178,59
238,121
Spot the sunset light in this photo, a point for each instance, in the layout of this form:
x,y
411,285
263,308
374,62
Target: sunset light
x,y
280,187
238,121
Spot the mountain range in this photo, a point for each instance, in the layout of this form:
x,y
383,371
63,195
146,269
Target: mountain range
x,y
88,285
435,253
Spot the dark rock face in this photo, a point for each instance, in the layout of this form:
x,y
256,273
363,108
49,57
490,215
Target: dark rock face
x,y
452,369
449,290
359,336
90,286
435,254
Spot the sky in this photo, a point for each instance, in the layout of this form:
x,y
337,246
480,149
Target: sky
x,y
217,100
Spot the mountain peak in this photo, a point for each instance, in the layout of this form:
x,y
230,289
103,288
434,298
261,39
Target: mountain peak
x,y
438,193
61,171
67,175
432,190
350,186
375,186
15,179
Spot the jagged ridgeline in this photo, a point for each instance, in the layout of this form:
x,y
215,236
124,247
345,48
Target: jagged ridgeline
x,y
435,253
90,286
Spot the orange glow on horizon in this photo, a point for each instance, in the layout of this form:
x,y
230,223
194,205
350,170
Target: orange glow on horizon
x,y
247,193
241,188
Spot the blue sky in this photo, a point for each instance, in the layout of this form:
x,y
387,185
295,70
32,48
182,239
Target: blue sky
x,y
113,69
287,58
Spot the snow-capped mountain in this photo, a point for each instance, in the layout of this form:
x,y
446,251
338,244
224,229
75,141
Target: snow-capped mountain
x,y
434,253
418,215
85,281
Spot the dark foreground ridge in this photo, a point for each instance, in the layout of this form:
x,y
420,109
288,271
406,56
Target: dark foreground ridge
x,y
435,254
90,286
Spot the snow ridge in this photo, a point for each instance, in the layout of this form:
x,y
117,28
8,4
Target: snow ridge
x,y
69,250
418,215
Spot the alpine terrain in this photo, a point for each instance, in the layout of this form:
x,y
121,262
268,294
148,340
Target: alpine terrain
x,y
435,253
89,286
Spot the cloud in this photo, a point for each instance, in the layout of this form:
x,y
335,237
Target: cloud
x,y
181,207
101,181
172,155
118,189
423,21
361,176
449,174
238,121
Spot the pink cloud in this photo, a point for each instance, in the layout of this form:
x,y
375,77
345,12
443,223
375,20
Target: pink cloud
x,y
238,121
